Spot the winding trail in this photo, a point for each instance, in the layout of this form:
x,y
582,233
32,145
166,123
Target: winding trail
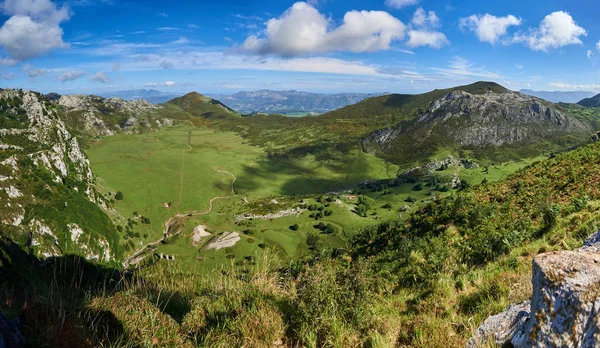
x,y
141,253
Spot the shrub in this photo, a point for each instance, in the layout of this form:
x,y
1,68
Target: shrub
x,y
119,196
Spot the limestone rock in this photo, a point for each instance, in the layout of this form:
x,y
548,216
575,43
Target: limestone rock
x,y
565,303
564,310
501,327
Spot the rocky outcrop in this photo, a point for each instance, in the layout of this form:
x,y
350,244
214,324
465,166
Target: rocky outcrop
x,y
96,116
565,307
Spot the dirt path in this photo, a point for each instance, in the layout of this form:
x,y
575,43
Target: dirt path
x,y
141,253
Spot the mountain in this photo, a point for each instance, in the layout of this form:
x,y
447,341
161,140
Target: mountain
x,y
559,96
97,116
48,196
593,102
199,105
283,102
151,95
476,121
405,106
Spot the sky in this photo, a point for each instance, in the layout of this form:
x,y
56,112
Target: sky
x,y
327,46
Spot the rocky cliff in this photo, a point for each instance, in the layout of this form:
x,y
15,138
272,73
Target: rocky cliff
x,y
564,310
48,199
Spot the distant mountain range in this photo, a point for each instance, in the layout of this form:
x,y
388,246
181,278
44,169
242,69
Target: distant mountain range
x,y
151,95
558,96
263,101
283,102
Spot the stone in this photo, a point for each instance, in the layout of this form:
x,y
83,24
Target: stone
x,y
565,305
501,327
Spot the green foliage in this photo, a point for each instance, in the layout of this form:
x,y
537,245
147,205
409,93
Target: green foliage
x,y
119,196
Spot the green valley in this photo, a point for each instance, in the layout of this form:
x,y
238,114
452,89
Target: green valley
x,y
391,222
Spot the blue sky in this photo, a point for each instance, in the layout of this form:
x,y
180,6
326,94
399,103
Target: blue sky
x,y
402,46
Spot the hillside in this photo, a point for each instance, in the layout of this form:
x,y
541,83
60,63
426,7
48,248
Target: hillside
x,y
405,106
285,102
200,106
559,96
592,102
480,123
472,121
48,196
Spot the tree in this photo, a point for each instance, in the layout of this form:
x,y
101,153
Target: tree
x,y
410,199
387,206
312,239
295,227
119,196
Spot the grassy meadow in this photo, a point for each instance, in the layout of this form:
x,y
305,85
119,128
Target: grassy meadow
x,y
181,166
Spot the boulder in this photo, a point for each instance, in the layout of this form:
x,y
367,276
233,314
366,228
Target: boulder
x,y
565,307
501,327
565,303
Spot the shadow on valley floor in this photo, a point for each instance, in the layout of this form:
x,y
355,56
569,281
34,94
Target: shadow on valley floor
x,y
328,169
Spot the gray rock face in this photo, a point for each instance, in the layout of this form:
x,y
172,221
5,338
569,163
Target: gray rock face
x,y
566,302
96,115
501,327
496,119
565,307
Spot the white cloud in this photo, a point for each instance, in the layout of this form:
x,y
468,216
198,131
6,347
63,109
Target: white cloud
x,y
162,14
116,66
33,28
301,29
589,54
70,76
489,28
424,32
167,28
99,77
181,41
169,84
433,39
598,46
519,66
563,85
461,68
558,29
400,3
425,19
